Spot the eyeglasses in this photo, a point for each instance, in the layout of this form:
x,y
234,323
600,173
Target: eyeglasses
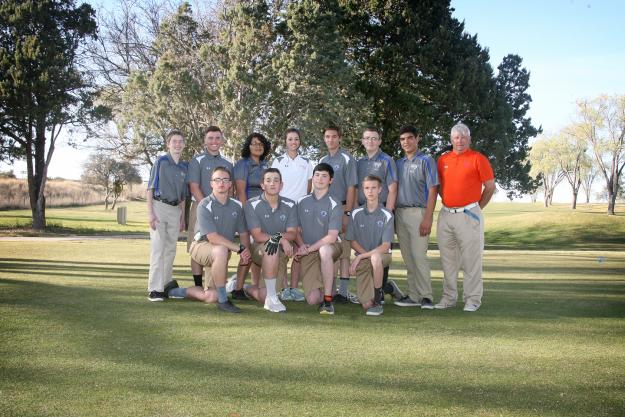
x,y
221,180
370,139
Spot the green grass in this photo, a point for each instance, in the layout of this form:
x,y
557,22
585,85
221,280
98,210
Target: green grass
x,y
80,339
507,225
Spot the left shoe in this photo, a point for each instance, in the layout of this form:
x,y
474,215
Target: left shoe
x,y
297,294
273,304
231,284
239,295
375,310
286,294
326,308
471,307
170,286
393,289
426,304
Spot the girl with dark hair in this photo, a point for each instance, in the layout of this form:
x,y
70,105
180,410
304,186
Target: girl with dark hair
x,y
249,169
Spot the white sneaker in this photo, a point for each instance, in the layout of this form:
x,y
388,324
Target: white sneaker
x,y
443,305
273,304
471,307
231,284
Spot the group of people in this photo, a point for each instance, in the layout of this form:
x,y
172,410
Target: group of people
x,y
315,216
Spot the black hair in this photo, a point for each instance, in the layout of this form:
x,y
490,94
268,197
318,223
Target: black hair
x,y
245,152
323,167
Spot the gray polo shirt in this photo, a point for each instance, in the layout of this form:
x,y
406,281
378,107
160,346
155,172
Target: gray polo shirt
x,y
382,166
168,179
416,176
224,219
201,169
248,170
258,213
370,229
318,217
345,174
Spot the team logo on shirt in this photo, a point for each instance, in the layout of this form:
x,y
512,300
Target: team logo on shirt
x,y
266,216
337,166
282,217
377,165
323,213
235,214
362,226
380,223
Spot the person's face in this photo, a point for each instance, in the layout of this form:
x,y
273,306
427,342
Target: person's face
x,y
409,142
460,143
220,181
332,140
371,189
321,180
292,142
371,141
272,184
175,145
213,142
257,149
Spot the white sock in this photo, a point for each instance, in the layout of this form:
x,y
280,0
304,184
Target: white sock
x,y
270,284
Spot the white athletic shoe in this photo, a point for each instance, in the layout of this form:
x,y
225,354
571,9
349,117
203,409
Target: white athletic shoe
x,y
273,304
231,284
471,307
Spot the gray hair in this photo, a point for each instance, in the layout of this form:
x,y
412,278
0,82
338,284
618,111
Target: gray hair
x,y
462,130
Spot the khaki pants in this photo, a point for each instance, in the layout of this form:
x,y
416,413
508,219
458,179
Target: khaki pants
x,y
414,249
364,277
461,244
258,252
191,225
311,269
163,245
202,253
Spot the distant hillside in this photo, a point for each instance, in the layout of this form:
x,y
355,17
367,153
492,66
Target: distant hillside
x,y
59,193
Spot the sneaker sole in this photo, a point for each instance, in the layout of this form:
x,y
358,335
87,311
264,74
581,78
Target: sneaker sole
x,y
156,300
400,304
326,313
443,307
427,307
373,314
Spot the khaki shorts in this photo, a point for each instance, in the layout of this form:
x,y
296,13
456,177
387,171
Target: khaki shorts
x,y
346,247
202,253
258,251
311,269
191,225
364,277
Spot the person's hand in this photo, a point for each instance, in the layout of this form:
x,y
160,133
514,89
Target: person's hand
x,y
245,257
354,265
286,247
302,251
272,245
153,221
425,228
182,224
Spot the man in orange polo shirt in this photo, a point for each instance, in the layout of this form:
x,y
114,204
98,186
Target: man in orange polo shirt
x,y
467,185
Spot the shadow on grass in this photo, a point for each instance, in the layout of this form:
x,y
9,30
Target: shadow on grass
x,y
143,341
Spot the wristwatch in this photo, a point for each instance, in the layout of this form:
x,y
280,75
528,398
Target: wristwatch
x,y
241,248
348,213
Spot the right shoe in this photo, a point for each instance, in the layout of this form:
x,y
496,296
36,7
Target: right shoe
x,y
326,308
393,289
156,296
239,295
273,304
406,301
297,294
231,284
375,310
442,305
228,307
170,286
340,298
426,304
286,294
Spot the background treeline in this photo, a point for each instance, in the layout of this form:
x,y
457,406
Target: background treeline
x,y
269,65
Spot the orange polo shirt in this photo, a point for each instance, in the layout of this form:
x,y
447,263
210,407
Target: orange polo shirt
x,y
461,177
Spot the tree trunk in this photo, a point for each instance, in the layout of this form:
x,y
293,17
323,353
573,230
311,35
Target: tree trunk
x,y
574,203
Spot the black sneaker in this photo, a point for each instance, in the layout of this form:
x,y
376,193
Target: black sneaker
x,y
426,304
340,298
156,296
228,307
170,286
239,295
326,308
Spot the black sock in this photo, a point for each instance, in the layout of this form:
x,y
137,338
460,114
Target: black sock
x,y
197,279
385,280
378,295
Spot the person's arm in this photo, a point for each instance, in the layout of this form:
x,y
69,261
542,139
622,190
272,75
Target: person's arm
x,y
328,239
196,191
425,228
309,188
240,186
152,219
182,207
487,193
350,198
392,196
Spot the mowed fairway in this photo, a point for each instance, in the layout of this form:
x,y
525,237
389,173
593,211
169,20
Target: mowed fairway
x,y
79,338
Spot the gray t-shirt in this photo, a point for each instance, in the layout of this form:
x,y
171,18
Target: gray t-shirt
x,y
168,179
345,174
416,176
370,229
318,216
248,170
201,170
223,219
382,166
259,214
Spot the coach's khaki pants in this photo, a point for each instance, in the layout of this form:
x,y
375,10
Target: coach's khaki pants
x,y
163,245
461,244
414,249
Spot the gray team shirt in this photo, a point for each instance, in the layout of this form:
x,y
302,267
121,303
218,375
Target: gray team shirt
x,y
248,170
224,219
168,179
258,213
345,174
382,166
201,169
370,229
416,176
318,216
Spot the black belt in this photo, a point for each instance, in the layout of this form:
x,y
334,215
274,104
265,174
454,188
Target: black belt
x,y
171,203
344,202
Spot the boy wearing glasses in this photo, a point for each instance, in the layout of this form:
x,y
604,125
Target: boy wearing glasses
x,y
272,222
219,218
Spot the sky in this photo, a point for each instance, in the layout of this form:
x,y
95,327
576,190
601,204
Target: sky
x,y
573,50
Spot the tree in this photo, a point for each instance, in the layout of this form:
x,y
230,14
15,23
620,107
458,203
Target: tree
x,y
602,126
589,174
572,158
42,88
112,175
545,166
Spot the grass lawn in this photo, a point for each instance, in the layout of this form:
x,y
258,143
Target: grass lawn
x,y
79,338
